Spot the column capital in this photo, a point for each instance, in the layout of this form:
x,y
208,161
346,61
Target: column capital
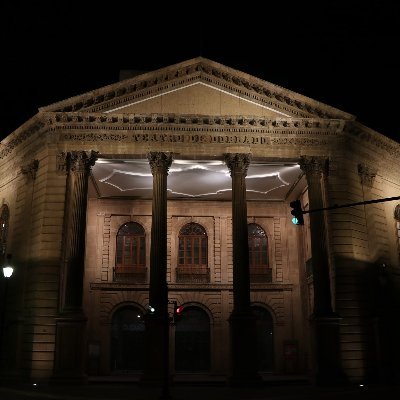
x,y
237,162
30,170
367,174
396,212
80,161
314,166
159,162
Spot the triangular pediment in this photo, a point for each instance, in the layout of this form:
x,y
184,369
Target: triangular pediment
x,y
202,87
198,98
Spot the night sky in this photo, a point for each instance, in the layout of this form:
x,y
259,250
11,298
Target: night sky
x,y
342,53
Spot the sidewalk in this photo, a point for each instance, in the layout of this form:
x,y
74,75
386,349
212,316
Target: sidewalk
x,y
118,391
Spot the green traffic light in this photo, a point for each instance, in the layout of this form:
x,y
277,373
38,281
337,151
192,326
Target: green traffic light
x,y
297,212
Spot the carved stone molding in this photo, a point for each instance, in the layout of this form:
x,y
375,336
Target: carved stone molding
x,y
30,170
23,133
61,163
367,135
126,120
367,174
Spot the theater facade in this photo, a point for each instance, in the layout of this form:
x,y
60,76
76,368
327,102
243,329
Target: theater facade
x,y
173,189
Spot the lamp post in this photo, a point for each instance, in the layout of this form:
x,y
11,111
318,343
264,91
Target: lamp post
x,y
7,273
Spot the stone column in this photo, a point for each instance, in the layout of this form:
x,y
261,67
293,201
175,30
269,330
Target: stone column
x,y
156,371
325,322
69,357
242,321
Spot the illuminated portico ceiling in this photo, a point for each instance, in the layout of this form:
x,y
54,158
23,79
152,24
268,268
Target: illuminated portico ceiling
x,y
193,179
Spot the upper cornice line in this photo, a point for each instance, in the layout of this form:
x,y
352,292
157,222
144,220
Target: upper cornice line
x,y
121,119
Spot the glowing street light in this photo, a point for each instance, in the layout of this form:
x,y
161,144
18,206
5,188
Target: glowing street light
x,y
8,271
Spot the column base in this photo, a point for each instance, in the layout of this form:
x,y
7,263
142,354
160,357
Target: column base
x,y
327,351
331,378
245,381
156,372
244,356
69,379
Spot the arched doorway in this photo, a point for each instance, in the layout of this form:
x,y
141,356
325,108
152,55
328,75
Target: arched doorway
x,y
127,340
192,341
265,339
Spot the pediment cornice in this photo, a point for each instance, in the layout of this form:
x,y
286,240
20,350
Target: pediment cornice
x,y
178,121
198,70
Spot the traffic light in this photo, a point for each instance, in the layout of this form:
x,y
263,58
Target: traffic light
x,y
178,311
297,212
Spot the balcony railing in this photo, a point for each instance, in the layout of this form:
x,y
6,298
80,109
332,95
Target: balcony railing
x,y
260,275
130,274
192,274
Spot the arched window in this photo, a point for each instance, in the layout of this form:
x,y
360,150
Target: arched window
x,y
130,260
4,217
192,254
127,340
260,270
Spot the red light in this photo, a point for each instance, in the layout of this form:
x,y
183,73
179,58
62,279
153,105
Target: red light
x,y
179,309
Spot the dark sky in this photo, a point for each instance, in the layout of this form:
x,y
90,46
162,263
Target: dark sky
x,y
343,53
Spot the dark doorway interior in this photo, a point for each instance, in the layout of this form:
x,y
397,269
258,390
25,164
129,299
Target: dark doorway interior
x,y
192,341
127,340
265,341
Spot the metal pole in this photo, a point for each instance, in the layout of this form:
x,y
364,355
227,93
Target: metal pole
x,y
352,204
3,313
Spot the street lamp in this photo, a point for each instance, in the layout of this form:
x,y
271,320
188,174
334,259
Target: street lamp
x,y
7,268
8,271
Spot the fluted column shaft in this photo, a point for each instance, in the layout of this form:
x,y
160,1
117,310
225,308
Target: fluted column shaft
x,y
157,324
70,326
238,165
314,168
242,322
78,165
324,322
